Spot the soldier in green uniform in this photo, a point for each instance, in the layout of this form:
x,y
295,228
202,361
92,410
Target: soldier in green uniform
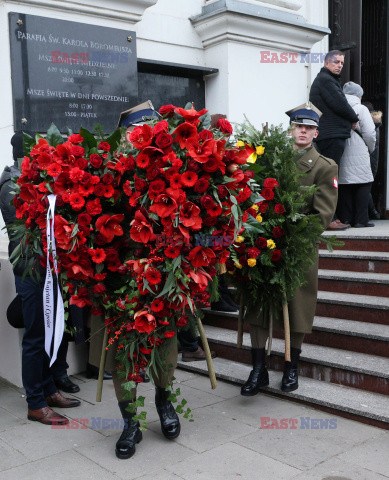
x,y
322,172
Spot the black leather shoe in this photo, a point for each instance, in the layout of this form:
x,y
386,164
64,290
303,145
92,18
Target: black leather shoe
x,y
131,435
170,424
93,372
364,225
259,376
374,215
66,385
290,378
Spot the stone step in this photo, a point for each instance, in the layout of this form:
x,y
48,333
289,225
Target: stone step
x,y
357,370
328,332
366,407
357,283
353,261
374,244
363,308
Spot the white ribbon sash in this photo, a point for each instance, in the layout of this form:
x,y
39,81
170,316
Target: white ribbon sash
x,y
52,328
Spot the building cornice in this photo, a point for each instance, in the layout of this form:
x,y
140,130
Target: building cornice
x,y
130,11
233,20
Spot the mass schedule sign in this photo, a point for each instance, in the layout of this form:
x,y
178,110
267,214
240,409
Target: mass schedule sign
x,y
72,74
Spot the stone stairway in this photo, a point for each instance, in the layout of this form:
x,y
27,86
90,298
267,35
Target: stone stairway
x,y
344,367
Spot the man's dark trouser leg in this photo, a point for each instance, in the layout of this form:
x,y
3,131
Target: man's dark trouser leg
x,y
346,203
362,193
188,342
36,377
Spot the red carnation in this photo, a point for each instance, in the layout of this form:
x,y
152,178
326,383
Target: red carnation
x,y
106,147
253,252
270,183
279,208
261,242
153,276
224,126
276,255
189,178
278,232
93,207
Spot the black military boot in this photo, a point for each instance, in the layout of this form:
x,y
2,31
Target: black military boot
x,y
170,424
131,435
259,376
290,377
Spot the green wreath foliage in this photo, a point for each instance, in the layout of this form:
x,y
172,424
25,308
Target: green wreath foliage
x,y
265,285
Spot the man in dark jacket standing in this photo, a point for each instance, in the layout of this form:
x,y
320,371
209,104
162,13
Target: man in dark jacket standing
x,y
41,391
338,118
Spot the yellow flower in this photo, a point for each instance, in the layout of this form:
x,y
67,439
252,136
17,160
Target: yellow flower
x,y
239,239
240,143
237,265
271,244
259,218
252,158
251,262
255,207
260,150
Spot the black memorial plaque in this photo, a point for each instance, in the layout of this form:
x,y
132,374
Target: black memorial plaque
x,y
72,74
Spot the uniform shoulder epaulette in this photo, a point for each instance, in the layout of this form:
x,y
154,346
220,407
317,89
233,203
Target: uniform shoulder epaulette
x,y
328,160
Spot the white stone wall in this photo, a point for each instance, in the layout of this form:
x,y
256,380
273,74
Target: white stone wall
x,y
167,30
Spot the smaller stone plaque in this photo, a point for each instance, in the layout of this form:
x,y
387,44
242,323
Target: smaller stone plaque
x,y
72,74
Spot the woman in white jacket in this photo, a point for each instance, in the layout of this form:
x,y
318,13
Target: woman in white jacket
x,y
355,175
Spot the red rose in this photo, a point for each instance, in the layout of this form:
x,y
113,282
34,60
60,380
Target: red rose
x,y
201,185
278,232
267,194
106,147
222,191
224,126
262,206
144,321
211,165
182,321
163,140
99,190
75,138
167,110
77,151
206,201
270,183
261,242
279,208
205,135
95,160
253,252
107,179
276,255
